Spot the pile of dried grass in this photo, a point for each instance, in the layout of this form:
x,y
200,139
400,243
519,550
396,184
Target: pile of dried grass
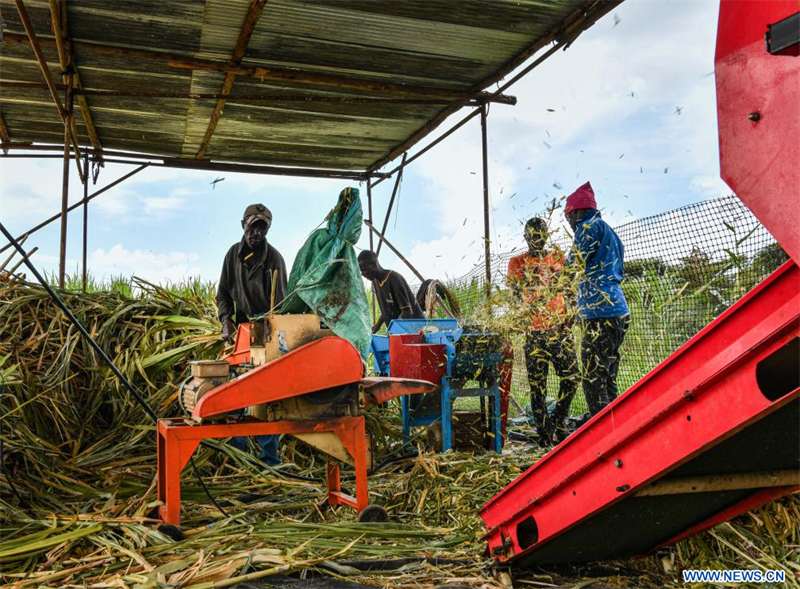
x,y
68,424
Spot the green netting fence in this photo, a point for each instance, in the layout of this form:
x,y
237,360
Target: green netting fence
x,y
682,269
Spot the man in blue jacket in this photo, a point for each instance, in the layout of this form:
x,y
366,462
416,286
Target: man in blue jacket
x,y
597,257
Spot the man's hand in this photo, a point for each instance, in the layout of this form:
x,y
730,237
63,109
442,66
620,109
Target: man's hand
x,y
377,326
228,331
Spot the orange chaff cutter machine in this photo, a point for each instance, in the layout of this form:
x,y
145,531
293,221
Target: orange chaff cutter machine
x,y
300,380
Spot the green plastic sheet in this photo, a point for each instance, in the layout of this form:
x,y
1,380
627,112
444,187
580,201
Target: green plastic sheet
x,y
325,278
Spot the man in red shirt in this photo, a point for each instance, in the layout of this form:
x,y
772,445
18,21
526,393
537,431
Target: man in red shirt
x,y
533,278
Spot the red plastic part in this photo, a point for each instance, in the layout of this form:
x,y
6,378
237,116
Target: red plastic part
x,y
760,160
324,363
413,358
178,440
379,390
241,347
711,379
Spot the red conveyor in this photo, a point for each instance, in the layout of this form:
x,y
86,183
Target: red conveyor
x,y
714,430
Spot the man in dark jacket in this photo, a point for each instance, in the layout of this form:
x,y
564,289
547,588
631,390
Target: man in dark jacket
x,y
253,278
395,298
253,282
597,255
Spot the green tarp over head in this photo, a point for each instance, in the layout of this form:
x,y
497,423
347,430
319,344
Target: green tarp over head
x,y
325,278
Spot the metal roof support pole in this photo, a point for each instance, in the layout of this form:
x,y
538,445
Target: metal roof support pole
x,y
369,212
62,252
486,235
371,246
391,203
72,207
4,135
84,280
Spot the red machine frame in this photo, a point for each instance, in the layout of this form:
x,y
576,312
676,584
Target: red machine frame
x,y
335,363
716,387
178,440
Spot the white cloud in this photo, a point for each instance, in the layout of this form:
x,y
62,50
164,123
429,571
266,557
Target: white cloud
x,y
709,187
173,266
28,186
114,203
162,205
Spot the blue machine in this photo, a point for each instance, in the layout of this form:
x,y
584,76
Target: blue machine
x,y
472,370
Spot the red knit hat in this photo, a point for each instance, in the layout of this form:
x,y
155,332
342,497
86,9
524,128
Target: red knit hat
x,y
582,198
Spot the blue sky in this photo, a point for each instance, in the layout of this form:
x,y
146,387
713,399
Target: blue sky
x,y
633,97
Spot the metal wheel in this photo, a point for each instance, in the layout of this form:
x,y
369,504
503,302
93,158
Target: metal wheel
x,y
373,514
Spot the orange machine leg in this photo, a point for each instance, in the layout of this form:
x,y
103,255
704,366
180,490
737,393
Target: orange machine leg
x,y
354,438
177,440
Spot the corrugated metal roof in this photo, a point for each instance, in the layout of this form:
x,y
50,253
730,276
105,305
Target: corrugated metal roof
x,y
439,45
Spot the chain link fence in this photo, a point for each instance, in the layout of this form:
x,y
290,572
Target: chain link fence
x,y
682,269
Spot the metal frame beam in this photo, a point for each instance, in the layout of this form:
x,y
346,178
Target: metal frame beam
x,y
68,128
487,251
4,134
155,160
371,247
261,97
289,76
37,50
249,25
459,124
394,250
85,277
397,182
432,144
59,11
